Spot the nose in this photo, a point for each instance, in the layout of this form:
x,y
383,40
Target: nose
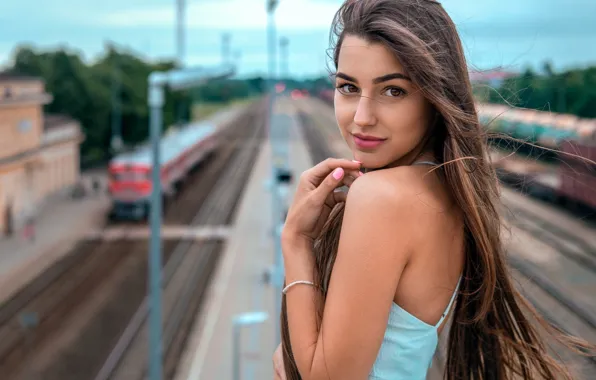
x,y
365,116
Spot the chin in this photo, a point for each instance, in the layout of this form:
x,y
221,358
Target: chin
x,y
371,160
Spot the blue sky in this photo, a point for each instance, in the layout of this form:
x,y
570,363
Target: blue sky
x,y
508,33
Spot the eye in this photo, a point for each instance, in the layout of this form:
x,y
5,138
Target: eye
x,y
394,92
347,88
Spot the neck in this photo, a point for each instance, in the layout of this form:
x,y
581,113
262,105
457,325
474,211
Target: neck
x,y
407,160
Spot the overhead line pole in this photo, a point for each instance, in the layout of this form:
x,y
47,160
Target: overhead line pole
x,y
176,80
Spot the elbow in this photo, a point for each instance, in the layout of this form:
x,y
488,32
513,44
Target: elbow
x,y
314,369
323,368
318,375
322,373
315,375
317,370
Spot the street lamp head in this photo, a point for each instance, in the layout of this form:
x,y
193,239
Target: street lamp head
x,y
250,318
183,79
188,78
158,78
271,5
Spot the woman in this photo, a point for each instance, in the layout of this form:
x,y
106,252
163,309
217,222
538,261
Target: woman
x,y
371,275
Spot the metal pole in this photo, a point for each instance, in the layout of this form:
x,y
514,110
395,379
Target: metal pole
x,y
276,207
239,321
283,45
29,321
180,32
272,53
236,353
155,345
116,142
225,48
180,43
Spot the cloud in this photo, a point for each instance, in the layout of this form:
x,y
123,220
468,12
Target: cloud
x,y
230,15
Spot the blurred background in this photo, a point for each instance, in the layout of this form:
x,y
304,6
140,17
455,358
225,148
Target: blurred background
x,y
76,192
87,51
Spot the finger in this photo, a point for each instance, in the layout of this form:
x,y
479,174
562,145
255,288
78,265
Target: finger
x,y
339,197
319,172
279,371
334,198
329,184
348,180
279,376
354,173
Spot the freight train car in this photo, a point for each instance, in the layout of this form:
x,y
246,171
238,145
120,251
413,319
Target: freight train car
x,y
181,150
578,174
568,181
547,129
559,167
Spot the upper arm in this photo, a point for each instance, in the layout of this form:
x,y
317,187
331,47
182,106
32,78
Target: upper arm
x,y
374,247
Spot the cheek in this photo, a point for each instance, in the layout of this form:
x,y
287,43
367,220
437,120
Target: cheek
x,y
344,115
407,121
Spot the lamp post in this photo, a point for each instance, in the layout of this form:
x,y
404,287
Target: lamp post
x,y
275,199
284,61
176,80
239,321
180,50
281,175
116,140
180,13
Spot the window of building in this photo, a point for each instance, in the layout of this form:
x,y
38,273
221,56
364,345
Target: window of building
x,y
25,125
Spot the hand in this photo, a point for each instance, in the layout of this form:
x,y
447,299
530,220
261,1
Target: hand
x,y
278,364
316,197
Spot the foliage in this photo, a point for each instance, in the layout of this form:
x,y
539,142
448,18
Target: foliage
x,y
89,94
571,91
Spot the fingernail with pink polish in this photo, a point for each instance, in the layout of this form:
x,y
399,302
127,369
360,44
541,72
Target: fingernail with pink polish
x,y
338,173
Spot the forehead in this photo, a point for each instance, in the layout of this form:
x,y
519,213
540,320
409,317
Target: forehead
x,y
365,60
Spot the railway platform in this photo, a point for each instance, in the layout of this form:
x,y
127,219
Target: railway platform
x,y
239,284
59,224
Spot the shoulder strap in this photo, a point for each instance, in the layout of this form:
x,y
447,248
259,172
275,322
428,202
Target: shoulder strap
x,y
450,303
425,163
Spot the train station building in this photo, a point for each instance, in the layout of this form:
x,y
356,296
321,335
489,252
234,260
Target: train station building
x,y
39,153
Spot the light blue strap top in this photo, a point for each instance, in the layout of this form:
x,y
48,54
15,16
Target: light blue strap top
x,y
409,343
425,163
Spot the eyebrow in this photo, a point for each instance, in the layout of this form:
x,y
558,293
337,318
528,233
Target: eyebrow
x,y
378,80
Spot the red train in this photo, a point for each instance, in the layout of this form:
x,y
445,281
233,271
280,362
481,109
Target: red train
x,y
130,173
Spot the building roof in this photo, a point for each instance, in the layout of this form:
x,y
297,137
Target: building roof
x,y
56,121
8,76
479,76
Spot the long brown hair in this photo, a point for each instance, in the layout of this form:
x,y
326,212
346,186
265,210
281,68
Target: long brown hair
x,y
491,336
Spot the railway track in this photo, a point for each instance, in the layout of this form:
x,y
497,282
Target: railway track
x,y
82,302
557,305
574,251
186,275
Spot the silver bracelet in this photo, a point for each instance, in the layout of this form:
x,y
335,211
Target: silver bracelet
x,y
296,283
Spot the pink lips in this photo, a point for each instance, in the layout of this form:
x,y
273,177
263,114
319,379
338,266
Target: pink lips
x,y
367,142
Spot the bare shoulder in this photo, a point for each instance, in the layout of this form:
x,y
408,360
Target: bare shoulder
x,y
394,204
381,209
396,189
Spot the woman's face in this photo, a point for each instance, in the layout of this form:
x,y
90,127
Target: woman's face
x,y
382,115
